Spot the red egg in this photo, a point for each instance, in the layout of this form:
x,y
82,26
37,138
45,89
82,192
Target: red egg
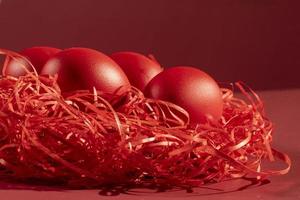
x,y
138,68
38,56
83,68
190,88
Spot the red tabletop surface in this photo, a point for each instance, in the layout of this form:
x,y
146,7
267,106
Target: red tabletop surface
x,y
283,108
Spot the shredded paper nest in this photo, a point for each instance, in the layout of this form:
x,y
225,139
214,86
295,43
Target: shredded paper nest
x,y
83,140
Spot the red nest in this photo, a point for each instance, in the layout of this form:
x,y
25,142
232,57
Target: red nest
x,y
84,140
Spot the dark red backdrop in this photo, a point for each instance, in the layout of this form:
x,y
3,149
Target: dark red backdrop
x,y
257,41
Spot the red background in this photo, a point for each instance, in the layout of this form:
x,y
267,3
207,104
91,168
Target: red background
x,y
256,41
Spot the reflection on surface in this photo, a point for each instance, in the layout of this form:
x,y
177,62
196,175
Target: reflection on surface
x,y
209,189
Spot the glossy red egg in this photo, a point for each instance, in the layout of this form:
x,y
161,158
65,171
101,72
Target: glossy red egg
x,y
138,68
38,56
83,68
190,88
